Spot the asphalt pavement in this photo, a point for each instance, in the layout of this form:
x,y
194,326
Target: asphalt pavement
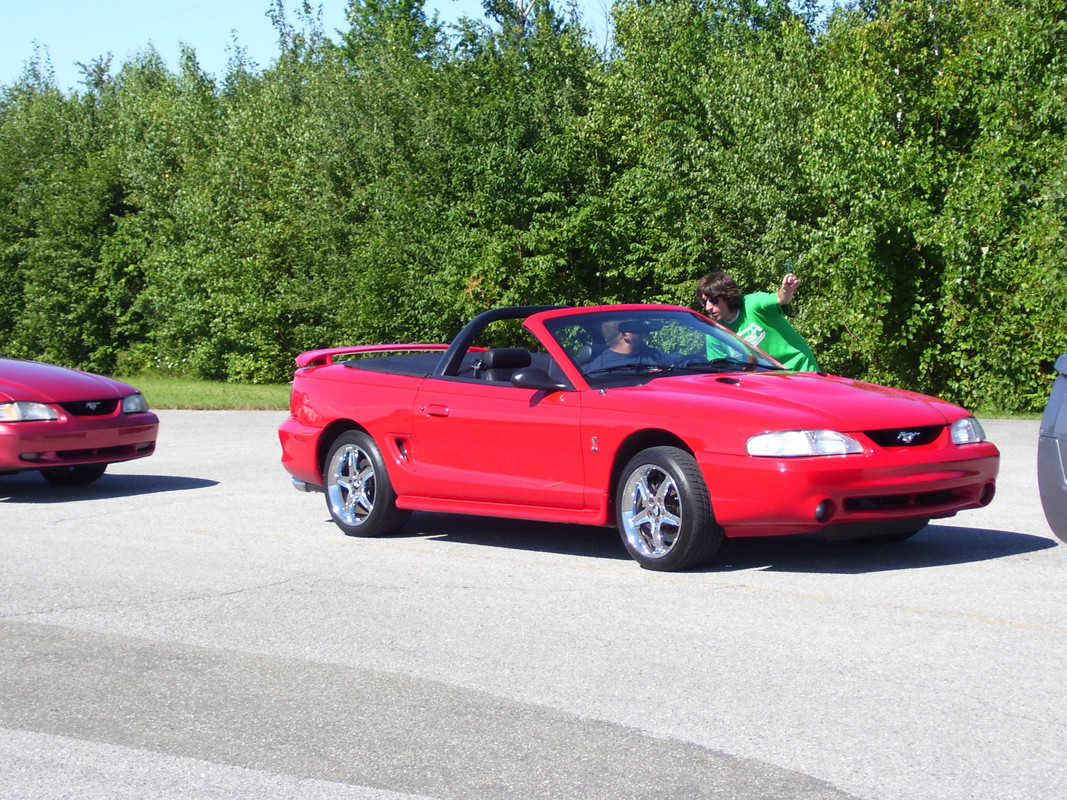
x,y
191,626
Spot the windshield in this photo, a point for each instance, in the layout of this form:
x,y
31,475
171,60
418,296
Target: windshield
x,y
627,346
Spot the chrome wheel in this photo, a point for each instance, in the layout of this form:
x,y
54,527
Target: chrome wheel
x,y
358,492
653,515
350,485
663,510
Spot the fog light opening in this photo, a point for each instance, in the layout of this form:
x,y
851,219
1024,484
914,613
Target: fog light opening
x,y
986,497
824,511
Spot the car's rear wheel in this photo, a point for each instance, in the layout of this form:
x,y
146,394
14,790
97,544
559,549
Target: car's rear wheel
x,y
74,476
358,491
664,511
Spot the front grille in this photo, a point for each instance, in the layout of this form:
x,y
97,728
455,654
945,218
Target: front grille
x,y
905,437
94,452
91,408
897,502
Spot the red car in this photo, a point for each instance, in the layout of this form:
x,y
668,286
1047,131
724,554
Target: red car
x,y
651,418
68,424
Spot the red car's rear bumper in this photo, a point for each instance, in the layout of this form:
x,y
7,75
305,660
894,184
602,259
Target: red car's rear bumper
x,y
300,450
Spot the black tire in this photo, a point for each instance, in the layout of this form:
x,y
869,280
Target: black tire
x,y
359,495
902,535
664,511
74,476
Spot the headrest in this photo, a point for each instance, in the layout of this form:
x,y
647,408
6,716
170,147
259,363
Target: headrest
x,y
506,358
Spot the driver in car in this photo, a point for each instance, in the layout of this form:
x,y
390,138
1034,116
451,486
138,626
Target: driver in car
x,y
625,340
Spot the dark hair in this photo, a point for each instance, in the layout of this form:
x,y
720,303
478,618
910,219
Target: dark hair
x,y
720,284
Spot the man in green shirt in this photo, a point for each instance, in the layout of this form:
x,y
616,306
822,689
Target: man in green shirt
x,y
757,317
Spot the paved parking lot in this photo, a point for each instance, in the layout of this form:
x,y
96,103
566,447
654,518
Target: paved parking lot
x,y
190,626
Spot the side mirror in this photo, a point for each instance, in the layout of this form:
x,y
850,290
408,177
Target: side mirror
x,y
537,378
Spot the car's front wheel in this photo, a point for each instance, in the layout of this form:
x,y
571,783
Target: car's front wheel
x,y
901,533
664,511
358,491
74,476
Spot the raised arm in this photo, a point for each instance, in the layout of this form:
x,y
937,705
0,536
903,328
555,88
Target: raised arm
x,y
788,288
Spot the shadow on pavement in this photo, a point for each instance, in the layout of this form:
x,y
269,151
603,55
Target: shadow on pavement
x,y
586,541
936,545
30,487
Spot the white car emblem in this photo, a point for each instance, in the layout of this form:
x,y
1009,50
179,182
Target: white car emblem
x,y
907,437
92,405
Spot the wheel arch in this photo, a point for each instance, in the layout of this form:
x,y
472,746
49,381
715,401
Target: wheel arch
x,y
633,444
328,436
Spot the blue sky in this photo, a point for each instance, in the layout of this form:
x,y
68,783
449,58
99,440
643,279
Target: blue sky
x,y
72,31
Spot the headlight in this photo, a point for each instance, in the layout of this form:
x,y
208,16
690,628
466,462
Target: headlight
x,y
792,444
134,404
24,412
967,431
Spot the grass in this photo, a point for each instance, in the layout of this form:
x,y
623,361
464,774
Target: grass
x,y
187,393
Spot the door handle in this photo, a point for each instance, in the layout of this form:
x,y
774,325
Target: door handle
x,y
436,410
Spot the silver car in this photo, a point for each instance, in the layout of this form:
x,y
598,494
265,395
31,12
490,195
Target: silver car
x,y
1052,454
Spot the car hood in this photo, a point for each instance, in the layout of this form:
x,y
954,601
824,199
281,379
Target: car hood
x,y
796,400
34,381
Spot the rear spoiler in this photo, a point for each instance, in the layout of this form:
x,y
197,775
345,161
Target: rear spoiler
x,y
325,357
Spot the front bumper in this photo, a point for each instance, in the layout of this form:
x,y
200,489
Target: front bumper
x,y
766,497
71,441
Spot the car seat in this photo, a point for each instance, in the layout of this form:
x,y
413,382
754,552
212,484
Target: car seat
x,y
500,363
588,352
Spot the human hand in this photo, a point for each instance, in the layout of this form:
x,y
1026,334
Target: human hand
x,y
790,283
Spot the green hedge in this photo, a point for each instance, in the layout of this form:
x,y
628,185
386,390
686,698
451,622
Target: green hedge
x,y
908,159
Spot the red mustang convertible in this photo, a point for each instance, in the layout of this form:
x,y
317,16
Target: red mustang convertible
x,y
651,418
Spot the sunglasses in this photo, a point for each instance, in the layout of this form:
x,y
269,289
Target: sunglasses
x,y
712,299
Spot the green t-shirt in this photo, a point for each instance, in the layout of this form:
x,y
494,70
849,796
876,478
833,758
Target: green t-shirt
x,y
762,322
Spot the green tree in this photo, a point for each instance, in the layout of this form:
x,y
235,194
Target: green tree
x,y
239,290
59,210
521,165
938,146
706,111
907,159
32,128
